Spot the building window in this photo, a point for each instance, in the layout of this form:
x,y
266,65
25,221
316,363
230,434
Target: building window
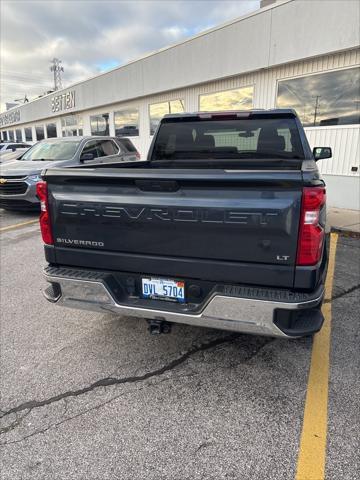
x,y
331,98
72,126
18,135
5,136
28,134
237,99
99,124
39,129
127,123
51,130
158,110
11,135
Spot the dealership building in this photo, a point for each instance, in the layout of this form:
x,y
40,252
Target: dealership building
x,y
291,53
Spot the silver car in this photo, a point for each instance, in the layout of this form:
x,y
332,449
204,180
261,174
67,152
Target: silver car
x,y
8,156
18,178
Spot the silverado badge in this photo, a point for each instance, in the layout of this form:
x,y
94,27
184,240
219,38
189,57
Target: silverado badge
x,y
3,180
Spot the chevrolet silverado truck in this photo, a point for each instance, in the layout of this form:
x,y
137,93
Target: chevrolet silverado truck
x,y
222,226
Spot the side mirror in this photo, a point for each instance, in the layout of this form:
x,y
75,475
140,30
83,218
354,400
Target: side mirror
x,y
321,152
85,157
13,149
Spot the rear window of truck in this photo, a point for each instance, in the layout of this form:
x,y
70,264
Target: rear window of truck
x,y
222,141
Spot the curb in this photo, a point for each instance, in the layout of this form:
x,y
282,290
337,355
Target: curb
x,y
345,232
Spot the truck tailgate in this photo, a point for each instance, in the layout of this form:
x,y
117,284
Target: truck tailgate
x,y
177,221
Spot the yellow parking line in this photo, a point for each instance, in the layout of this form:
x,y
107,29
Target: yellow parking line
x,y
312,451
18,225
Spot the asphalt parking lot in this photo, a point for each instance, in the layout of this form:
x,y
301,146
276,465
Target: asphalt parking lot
x,y
92,396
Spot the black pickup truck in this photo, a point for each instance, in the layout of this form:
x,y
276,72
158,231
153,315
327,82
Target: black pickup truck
x,y
223,226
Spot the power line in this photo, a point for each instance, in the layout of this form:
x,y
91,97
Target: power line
x,y
12,82
23,79
5,71
22,100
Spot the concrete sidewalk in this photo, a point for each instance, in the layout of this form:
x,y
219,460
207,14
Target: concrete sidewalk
x,y
344,220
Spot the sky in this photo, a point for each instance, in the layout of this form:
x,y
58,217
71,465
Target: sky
x,y
92,36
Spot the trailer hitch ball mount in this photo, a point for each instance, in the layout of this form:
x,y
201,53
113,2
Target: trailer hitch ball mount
x,y
157,327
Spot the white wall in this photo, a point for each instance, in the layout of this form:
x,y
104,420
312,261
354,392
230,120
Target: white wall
x,y
281,33
342,192
344,140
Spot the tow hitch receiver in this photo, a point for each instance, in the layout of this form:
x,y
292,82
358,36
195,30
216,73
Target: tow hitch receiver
x,y
156,327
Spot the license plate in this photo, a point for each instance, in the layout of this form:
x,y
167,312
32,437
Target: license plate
x,y
164,289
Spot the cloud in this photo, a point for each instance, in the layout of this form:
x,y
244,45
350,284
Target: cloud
x,y
93,36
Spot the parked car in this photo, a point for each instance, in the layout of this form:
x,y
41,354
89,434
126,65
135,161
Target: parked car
x,y
128,130
223,227
18,178
7,147
12,155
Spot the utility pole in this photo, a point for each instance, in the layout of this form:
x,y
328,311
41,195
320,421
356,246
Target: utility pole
x,y
57,69
316,108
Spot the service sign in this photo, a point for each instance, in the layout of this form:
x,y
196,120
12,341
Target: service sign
x,y
63,101
9,118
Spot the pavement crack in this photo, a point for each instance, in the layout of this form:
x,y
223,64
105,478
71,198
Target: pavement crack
x,y
109,381
74,417
14,424
343,293
257,350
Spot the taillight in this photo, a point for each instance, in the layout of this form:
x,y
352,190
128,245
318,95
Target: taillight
x,y
45,224
311,233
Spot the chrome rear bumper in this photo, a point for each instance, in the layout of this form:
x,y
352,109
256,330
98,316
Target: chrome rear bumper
x,y
247,315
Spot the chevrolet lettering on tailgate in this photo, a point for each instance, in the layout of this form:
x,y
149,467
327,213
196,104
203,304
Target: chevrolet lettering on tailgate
x,y
168,214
